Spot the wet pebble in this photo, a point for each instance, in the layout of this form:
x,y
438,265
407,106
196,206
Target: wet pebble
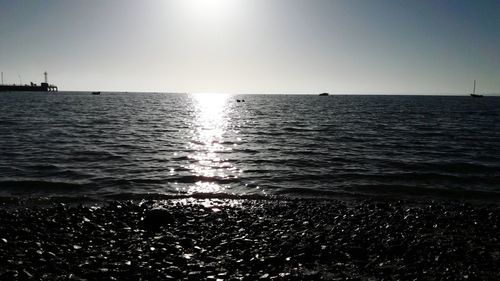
x,y
251,240
156,218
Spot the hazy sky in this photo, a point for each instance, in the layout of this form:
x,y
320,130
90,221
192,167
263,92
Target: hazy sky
x,y
253,46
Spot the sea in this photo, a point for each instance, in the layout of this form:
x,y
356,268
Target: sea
x,y
143,145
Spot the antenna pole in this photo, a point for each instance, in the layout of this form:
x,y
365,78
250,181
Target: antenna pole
x,y
20,80
2,77
46,79
474,91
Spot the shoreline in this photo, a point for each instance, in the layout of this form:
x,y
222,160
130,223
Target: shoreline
x,y
437,196
249,239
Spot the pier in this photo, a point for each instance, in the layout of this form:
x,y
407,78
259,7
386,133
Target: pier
x,y
32,87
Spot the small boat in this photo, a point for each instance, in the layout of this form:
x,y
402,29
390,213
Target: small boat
x,y
324,94
96,93
474,95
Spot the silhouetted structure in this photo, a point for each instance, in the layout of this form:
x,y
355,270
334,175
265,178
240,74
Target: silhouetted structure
x,y
43,87
324,94
474,95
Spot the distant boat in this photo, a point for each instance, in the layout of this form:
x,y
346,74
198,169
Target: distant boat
x,y
474,95
324,94
96,93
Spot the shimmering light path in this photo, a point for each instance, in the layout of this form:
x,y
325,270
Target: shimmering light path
x,y
209,145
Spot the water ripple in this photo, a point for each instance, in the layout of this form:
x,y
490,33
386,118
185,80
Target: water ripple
x,y
76,143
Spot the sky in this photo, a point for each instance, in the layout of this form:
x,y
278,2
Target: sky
x,y
254,46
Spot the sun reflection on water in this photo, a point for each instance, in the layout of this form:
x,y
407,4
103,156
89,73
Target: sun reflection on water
x,y
207,140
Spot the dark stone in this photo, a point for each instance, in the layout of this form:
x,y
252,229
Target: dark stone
x,y
24,274
357,253
156,218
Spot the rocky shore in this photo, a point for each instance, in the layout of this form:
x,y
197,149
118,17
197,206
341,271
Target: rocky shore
x,y
231,239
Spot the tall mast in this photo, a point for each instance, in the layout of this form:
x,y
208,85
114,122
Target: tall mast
x,y
45,74
2,77
474,91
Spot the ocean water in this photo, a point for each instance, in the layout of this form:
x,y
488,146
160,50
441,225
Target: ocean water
x,y
121,144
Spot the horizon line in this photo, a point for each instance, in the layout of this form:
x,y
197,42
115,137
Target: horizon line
x,y
292,93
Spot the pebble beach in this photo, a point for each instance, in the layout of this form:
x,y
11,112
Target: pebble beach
x,y
251,239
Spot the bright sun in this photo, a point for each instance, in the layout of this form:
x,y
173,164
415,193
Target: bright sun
x,y
211,10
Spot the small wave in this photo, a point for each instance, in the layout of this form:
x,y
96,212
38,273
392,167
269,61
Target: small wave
x,y
100,121
392,191
182,169
195,179
423,191
391,177
134,182
159,196
197,142
42,167
23,186
303,177
67,174
316,153
147,181
430,177
246,150
303,129
259,171
7,122
183,158
9,153
445,167
308,192
89,155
